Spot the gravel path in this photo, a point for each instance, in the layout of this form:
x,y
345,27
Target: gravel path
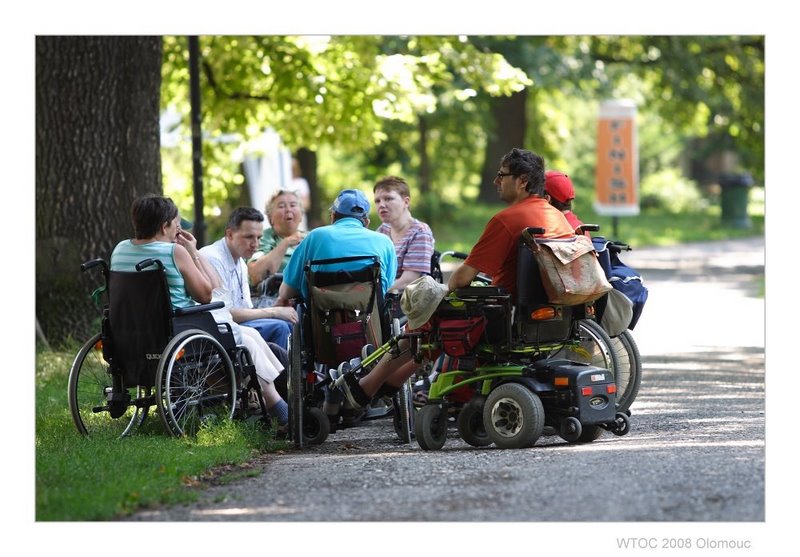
x,y
696,452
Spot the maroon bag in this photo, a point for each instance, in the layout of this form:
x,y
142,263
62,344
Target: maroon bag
x,y
348,339
460,336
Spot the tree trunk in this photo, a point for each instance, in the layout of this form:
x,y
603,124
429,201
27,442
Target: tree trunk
x,y
307,159
97,149
509,117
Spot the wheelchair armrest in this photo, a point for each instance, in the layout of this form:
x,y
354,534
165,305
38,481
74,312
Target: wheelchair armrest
x,y
199,308
479,292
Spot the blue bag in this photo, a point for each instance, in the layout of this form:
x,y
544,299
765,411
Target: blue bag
x,y
621,277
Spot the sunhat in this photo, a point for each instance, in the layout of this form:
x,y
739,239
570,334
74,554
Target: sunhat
x,y
420,300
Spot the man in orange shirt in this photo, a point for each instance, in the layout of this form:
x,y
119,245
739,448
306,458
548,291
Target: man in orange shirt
x,y
520,183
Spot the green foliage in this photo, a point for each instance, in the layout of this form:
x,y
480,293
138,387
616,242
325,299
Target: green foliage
x,y
418,106
79,478
668,190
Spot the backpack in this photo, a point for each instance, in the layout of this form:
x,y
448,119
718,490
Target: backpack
x,y
622,278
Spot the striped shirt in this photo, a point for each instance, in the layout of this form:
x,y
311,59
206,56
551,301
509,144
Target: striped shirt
x,y
127,254
415,248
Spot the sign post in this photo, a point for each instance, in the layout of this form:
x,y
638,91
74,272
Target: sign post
x,y
617,171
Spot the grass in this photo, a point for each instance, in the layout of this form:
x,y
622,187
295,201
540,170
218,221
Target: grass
x,y
460,228
80,478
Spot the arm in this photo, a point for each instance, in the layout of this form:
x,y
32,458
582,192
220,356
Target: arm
x,y
404,280
462,277
199,276
269,263
283,311
286,293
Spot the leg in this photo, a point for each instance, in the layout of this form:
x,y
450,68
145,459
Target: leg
x,y
271,330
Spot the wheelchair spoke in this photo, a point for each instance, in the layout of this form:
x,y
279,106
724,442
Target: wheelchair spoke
x,y
96,407
197,383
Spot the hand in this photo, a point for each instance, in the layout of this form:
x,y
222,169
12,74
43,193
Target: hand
x,y
294,239
188,241
286,313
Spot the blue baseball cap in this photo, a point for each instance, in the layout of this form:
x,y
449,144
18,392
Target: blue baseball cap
x,y
351,203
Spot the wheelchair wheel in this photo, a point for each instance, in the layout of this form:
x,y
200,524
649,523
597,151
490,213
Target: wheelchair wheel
x,y
513,416
295,388
403,417
195,383
590,433
316,426
470,423
594,348
570,429
629,375
430,427
88,386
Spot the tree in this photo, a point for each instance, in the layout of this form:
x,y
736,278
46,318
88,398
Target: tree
x,y
97,148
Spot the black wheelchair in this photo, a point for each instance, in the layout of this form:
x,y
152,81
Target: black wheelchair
x,y
149,354
344,316
514,368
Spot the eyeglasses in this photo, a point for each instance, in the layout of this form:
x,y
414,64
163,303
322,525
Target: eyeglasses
x,y
501,175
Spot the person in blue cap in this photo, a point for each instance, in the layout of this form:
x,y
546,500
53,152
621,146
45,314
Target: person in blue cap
x,y
346,236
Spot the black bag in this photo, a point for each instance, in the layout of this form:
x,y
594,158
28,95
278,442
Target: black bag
x,y
622,278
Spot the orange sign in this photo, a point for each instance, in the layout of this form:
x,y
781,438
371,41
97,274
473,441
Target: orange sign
x,y
617,172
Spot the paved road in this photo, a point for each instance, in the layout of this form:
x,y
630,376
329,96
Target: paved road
x,y
696,452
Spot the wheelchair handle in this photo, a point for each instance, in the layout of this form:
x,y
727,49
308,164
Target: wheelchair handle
x,y
587,228
94,263
148,262
454,254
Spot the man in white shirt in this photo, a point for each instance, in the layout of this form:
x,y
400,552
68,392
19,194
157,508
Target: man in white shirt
x,y
228,256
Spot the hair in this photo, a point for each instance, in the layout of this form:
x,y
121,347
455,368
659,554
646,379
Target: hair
x,y
393,183
526,163
242,214
149,213
336,216
567,206
278,194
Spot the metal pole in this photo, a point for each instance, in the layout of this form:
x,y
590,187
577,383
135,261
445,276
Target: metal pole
x,y
199,228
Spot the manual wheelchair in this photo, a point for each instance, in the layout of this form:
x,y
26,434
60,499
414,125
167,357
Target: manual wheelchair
x,y
149,354
344,315
511,370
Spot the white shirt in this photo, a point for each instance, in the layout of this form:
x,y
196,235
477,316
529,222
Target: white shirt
x,y
232,274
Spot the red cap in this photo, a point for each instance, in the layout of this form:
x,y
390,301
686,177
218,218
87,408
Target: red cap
x,y
558,186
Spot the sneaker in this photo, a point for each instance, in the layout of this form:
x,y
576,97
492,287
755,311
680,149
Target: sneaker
x,y
367,350
343,385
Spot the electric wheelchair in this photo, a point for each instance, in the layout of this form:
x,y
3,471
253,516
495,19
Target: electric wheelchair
x,y
344,317
513,368
149,354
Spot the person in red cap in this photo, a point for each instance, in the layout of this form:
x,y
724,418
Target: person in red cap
x,y
560,192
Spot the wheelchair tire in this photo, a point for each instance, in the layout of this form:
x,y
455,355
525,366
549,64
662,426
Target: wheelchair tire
x,y
629,377
590,433
570,429
404,414
430,427
316,426
595,348
513,416
470,423
89,381
294,386
195,383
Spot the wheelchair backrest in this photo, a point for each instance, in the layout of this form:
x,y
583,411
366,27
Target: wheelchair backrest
x,y
346,308
531,296
138,326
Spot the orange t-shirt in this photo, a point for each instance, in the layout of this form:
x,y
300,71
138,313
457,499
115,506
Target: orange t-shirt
x,y
495,254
